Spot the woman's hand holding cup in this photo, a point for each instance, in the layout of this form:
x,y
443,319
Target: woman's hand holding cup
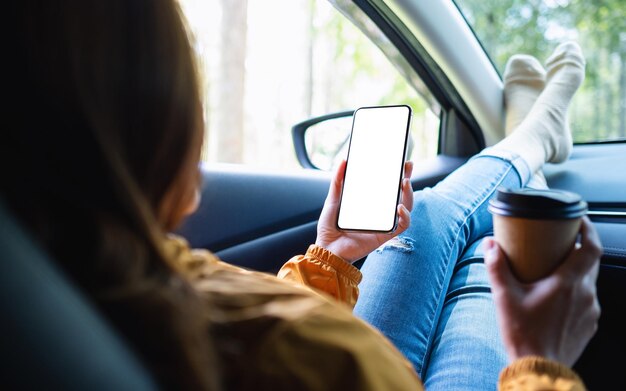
x,y
556,316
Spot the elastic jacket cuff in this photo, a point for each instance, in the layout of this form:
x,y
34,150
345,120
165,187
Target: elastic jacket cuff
x,y
538,366
336,262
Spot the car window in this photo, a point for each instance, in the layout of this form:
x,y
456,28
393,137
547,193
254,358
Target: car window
x,y
506,27
269,64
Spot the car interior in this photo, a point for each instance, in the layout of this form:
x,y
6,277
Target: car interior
x,y
259,219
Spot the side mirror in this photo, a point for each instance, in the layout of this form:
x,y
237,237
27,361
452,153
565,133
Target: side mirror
x,y
321,142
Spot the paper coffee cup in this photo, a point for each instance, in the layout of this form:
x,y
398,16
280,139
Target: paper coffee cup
x,y
536,229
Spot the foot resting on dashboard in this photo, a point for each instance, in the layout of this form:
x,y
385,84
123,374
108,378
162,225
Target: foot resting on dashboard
x,y
544,135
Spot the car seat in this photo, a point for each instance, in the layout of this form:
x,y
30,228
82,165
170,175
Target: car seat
x,y
52,337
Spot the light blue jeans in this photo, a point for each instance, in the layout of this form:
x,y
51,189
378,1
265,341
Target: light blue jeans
x,y
428,291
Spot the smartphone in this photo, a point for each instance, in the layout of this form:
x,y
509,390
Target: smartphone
x,y
375,167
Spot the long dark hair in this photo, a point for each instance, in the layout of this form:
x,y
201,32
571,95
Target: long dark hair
x,y
105,111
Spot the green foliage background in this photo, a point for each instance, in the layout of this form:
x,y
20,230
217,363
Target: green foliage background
x,y
507,27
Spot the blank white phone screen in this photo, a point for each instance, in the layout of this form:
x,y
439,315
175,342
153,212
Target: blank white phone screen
x,y
374,170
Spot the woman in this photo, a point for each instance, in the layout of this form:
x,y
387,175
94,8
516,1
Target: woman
x,y
456,325
100,162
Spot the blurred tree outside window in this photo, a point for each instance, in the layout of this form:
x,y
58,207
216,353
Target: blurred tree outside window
x,y
536,27
269,64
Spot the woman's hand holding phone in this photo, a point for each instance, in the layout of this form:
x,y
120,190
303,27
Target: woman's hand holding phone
x,y
352,246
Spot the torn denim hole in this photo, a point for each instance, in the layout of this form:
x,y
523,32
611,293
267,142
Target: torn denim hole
x,y
399,243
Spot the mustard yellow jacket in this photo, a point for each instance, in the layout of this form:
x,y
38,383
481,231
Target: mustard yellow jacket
x,y
296,331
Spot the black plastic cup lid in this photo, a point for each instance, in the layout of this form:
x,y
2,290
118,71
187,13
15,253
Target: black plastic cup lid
x,y
537,204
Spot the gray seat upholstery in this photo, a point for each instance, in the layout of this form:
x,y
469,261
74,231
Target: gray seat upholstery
x,y
52,337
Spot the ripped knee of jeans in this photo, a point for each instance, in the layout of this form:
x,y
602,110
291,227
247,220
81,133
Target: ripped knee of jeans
x,y
399,243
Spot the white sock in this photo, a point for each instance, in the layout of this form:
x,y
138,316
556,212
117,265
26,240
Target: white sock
x,y
538,180
524,79
566,72
544,136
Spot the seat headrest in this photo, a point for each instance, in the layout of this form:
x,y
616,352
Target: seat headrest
x,y
52,336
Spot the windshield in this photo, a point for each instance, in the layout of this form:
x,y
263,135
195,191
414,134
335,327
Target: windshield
x,y
507,27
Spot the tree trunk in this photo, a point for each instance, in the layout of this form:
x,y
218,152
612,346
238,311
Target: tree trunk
x,y
308,94
229,113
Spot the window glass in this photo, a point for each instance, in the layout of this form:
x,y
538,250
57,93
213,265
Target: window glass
x,y
269,64
506,27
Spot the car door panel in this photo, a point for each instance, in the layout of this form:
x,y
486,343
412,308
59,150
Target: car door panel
x,y
269,252
260,219
240,204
